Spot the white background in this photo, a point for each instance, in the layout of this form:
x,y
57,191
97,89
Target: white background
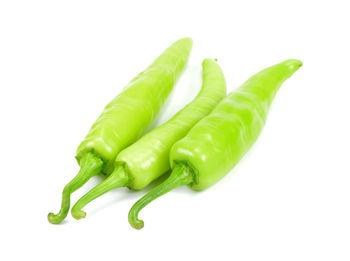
x,y
288,199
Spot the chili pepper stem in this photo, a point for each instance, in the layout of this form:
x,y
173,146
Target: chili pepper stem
x,y
181,175
118,178
90,165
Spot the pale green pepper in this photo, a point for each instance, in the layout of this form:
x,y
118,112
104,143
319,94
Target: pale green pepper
x,y
218,142
125,119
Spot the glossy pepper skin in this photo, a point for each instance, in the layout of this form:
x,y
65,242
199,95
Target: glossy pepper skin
x,y
125,118
218,142
148,158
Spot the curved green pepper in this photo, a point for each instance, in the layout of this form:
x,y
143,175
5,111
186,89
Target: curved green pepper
x,y
218,142
148,158
125,118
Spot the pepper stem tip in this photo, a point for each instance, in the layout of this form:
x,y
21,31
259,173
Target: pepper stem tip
x,y
137,223
78,214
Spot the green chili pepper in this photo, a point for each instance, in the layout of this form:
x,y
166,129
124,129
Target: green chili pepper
x,y
148,158
218,142
125,118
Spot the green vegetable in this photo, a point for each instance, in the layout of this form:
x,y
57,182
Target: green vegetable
x,y
148,158
217,142
125,118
